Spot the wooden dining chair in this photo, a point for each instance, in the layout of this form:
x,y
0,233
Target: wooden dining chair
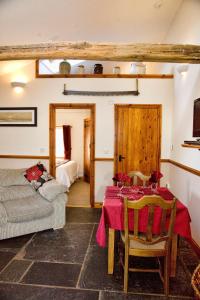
x,y
138,175
148,244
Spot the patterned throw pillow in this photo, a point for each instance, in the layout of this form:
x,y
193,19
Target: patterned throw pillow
x,y
37,175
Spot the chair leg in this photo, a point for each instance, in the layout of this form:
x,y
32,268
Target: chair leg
x,y
166,275
126,258
121,254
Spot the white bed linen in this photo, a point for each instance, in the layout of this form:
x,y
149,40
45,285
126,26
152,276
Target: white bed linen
x,y
67,173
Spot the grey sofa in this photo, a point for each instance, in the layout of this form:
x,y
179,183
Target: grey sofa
x,y
24,210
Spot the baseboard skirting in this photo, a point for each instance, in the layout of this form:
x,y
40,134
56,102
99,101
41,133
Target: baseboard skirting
x,y
98,204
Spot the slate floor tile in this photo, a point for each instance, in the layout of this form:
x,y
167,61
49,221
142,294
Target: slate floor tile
x,y
14,270
123,296
71,233
60,258
189,257
83,215
14,244
146,283
27,292
68,254
183,243
5,257
93,239
94,274
66,245
151,283
56,274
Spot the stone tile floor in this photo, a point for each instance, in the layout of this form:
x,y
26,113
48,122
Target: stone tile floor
x,y
68,264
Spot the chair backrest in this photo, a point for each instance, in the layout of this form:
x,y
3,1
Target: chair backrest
x,y
137,174
166,211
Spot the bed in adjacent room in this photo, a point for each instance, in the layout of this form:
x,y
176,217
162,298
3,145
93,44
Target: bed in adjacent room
x,y
66,172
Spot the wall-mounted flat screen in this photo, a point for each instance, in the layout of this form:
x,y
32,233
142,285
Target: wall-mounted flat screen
x,y
196,118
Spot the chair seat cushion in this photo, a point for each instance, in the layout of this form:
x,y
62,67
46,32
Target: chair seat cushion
x,y
15,191
27,209
137,245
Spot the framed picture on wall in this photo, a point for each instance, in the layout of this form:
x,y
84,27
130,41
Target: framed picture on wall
x,y
18,116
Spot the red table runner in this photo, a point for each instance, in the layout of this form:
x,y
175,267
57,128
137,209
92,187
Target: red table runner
x,y
113,211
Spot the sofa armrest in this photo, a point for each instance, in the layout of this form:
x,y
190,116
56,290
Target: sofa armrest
x,y
59,205
3,215
51,189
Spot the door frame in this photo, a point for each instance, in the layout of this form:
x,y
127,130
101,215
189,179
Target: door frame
x,y
117,106
84,139
52,138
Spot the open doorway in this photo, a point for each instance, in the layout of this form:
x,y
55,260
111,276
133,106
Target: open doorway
x,y
72,150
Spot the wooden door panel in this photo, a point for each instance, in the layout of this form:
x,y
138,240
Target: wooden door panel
x,y
137,138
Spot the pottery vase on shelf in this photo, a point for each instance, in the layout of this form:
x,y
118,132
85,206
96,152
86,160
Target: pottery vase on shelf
x,y
81,69
98,69
64,67
138,68
116,70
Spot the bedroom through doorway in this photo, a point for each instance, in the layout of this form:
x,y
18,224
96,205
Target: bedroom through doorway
x,y
73,139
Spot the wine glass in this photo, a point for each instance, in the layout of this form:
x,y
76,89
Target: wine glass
x,y
120,184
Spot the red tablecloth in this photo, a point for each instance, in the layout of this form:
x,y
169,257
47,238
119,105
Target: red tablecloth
x,y
113,211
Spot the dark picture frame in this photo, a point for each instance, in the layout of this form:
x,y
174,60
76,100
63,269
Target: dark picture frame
x,y
18,116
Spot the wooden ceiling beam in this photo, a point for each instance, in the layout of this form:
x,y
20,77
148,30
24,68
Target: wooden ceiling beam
x,y
175,53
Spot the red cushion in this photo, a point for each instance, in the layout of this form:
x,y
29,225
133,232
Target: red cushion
x,y
33,173
37,175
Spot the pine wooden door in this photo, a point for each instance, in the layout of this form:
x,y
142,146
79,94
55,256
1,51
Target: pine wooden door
x,y
138,138
87,137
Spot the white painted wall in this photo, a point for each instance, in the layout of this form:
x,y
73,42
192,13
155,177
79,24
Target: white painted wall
x,y
41,92
75,118
185,29
80,20
186,188
16,163
103,178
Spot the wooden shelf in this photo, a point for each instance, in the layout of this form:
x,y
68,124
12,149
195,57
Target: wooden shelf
x,y
149,76
191,146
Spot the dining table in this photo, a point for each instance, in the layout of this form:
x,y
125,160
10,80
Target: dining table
x,y
112,217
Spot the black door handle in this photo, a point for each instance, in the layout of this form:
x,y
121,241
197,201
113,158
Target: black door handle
x,y
121,157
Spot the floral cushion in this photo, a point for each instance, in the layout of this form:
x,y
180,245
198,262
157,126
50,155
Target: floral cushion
x,y
37,175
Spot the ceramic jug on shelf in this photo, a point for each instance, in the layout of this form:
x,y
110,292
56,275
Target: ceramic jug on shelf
x,y
64,67
116,70
98,69
81,69
138,68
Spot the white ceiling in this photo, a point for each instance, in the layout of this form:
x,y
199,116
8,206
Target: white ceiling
x,y
35,21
